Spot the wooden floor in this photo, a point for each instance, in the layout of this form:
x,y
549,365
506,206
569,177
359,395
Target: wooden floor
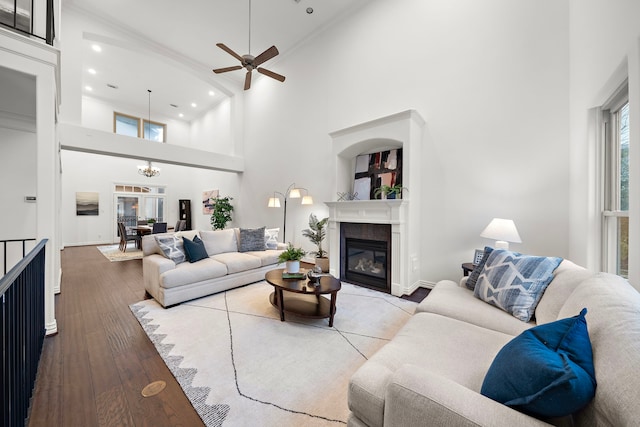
x,y
93,371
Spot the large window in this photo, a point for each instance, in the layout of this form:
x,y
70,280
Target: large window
x,y
124,124
615,214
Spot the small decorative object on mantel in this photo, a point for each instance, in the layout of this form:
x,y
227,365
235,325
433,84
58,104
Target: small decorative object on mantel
x,y
390,191
347,196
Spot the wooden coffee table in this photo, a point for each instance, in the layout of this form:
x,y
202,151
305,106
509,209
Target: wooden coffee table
x,y
303,298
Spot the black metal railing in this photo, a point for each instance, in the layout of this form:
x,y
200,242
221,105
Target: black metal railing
x,y
19,16
22,334
13,243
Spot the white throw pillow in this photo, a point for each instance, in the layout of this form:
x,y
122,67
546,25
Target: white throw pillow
x,y
219,241
271,238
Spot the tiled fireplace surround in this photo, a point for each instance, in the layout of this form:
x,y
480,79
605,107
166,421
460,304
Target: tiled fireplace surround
x,y
402,130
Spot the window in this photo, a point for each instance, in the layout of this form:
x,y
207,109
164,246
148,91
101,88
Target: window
x,y
615,214
124,124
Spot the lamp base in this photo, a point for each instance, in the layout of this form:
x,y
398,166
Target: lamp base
x,y
501,244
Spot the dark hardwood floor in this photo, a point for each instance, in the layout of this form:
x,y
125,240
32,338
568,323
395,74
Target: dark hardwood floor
x,y
93,371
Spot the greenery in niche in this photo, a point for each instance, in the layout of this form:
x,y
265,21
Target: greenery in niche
x,y
221,214
387,190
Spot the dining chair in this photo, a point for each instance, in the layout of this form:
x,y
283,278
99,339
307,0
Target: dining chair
x,y
181,225
159,227
125,238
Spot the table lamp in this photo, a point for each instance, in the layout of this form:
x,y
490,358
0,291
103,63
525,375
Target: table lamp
x,y
502,231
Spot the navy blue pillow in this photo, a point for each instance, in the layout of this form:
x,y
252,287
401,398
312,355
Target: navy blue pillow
x,y
547,371
194,249
475,274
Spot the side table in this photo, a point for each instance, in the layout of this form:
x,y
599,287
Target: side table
x,y
467,268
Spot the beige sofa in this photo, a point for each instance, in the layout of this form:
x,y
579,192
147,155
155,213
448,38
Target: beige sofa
x,y
431,372
171,283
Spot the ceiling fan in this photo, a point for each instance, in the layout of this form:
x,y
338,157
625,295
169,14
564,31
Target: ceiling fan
x,y
250,62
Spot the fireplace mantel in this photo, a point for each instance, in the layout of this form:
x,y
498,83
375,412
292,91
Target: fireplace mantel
x,y
369,211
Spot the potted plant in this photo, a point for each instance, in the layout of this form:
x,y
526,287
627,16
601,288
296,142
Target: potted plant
x,y
292,256
151,221
221,214
316,233
384,191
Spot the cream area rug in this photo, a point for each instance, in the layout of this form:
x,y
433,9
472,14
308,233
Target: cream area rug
x,y
239,365
114,254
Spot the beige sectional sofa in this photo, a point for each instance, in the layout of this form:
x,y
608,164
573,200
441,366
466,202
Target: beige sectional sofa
x,y
171,283
431,372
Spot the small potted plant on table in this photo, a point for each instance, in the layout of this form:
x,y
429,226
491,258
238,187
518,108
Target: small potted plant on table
x,y
292,256
316,233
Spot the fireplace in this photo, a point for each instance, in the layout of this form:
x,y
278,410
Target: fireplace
x,y
365,254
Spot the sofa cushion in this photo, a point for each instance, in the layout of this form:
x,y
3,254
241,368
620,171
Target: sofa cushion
x,y
188,273
251,239
271,238
515,282
236,261
565,280
194,249
267,257
546,371
219,241
614,329
452,300
473,277
171,248
434,342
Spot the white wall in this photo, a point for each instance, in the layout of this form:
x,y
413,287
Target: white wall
x,y
97,173
491,80
604,46
212,131
98,114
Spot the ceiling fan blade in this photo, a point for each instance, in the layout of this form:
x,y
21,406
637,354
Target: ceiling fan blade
x,y
224,70
266,55
229,51
247,80
271,74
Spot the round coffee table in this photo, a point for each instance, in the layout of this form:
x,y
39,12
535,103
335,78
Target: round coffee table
x,y
303,298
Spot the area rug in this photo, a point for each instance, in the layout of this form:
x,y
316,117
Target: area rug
x,y
113,253
239,365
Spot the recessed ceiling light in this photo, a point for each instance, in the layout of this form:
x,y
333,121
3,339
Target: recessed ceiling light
x,y
194,105
112,86
181,115
88,88
91,71
96,48
309,10
173,105
211,93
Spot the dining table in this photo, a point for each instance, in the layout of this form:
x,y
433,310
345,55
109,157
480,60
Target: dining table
x,y
143,230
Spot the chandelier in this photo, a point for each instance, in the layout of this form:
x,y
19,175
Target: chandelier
x,y
148,170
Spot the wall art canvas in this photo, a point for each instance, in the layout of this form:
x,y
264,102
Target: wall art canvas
x,y
376,169
87,203
207,202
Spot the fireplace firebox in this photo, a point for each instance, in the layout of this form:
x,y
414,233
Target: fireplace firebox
x,y
365,254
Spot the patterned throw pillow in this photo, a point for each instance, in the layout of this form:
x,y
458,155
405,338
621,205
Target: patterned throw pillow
x,y
171,248
271,238
473,277
251,239
515,282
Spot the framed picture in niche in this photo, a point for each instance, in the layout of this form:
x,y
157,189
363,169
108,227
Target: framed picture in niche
x,y
373,170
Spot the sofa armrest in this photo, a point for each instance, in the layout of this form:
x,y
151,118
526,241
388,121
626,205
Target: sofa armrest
x,y
152,267
281,246
463,282
415,395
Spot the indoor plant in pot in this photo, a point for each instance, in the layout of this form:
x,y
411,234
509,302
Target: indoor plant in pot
x,y
221,214
292,256
390,191
316,233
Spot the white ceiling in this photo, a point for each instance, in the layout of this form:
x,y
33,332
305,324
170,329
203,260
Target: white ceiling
x,y
170,46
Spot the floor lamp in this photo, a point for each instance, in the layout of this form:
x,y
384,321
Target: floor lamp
x,y
292,192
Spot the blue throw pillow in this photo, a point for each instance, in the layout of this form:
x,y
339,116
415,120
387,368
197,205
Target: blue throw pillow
x,y
194,249
473,277
515,282
547,371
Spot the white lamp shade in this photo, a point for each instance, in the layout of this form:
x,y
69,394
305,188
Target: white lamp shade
x,y
274,202
307,200
294,193
501,230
